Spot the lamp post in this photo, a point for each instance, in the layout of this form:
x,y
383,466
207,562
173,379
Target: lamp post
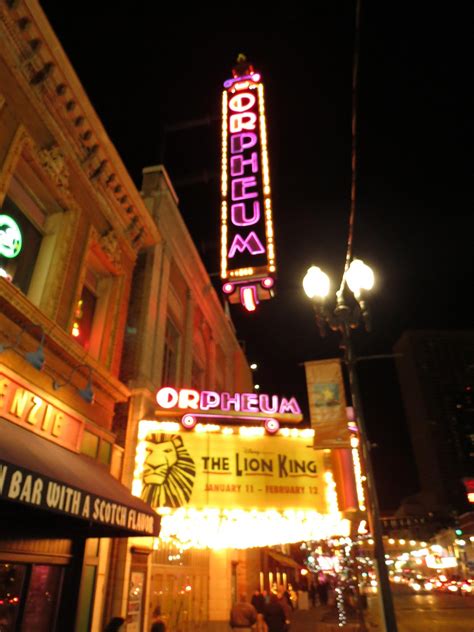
x,y
348,314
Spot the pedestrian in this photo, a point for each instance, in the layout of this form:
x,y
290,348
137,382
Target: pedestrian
x,y
274,615
292,597
115,624
285,604
243,615
323,592
258,602
157,623
312,595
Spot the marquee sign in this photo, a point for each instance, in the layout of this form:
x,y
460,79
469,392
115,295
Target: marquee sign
x,y
469,485
247,243
194,405
221,486
439,562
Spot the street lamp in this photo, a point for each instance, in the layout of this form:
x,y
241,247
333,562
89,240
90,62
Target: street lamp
x,y
348,313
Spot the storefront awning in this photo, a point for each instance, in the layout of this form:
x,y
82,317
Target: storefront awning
x,y
36,474
283,560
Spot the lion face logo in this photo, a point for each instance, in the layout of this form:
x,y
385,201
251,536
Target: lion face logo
x,y
168,471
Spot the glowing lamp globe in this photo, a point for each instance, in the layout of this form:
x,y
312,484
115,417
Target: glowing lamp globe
x,y
359,277
316,283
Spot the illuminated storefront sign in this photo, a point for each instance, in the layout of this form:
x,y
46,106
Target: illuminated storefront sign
x,y
218,487
20,485
327,563
33,411
435,561
247,242
469,485
10,237
244,406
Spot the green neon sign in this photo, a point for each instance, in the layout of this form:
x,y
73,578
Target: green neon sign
x,y
10,237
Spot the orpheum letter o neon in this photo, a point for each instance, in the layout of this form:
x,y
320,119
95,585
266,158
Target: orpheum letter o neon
x,y
167,397
237,104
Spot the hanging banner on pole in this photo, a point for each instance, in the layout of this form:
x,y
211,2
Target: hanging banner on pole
x,y
327,404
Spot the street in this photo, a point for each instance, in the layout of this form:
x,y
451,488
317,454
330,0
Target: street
x,y
415,613
434,612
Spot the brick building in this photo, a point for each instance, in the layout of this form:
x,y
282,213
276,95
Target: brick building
x,y
71,225
178,335
436,373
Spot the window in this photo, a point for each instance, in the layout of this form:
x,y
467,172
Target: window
x,y
96,448
29,596
105,452
37,215
19,267
84,317
90,444
86,308
42,598
170,356
92,323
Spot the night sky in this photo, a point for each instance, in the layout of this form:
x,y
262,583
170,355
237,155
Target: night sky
x,y
146,71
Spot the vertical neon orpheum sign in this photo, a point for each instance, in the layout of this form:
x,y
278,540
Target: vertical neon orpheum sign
x,y
247,244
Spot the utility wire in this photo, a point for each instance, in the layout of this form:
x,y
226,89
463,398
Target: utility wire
x,y
355,76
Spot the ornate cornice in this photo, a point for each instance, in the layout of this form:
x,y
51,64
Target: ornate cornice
x,y
54,90
54,163
20,140
109,245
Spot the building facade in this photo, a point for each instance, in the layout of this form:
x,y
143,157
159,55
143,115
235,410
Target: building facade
x,y
178,335
436,373
71,225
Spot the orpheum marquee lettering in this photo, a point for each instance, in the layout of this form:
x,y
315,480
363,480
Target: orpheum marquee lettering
x,y
268,409
187,398
247,244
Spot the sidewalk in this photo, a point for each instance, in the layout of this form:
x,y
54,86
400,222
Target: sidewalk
x,y
312,620
306,620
